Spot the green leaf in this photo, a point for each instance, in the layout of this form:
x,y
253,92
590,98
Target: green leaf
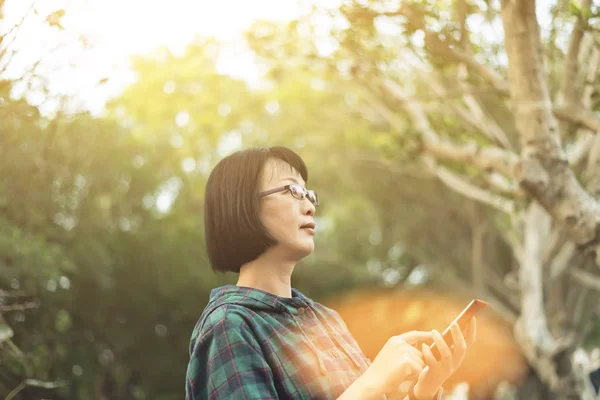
x,y
5,332
63,321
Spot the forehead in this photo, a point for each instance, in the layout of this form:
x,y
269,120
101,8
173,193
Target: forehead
x,y
278,171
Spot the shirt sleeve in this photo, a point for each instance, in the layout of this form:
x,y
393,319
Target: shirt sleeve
x,y
227,363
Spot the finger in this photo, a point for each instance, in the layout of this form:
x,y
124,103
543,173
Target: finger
x,y
441,344
414,351
428,355
418,358
471,331
458,355
411,366
457,335
460,346
413,337
417,365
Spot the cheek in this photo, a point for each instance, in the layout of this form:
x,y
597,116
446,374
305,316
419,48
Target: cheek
x,y
280,221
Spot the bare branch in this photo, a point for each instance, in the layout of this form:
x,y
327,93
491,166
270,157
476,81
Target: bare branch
x,y
478,265
593,167
569,89
14,32
381,108
462,14
443,49
451,93
577,152
579,116
531,329
487,158
473,114
592,61
35,383
504,185
19,307
589,123
586,279
561,261
544,171
460,185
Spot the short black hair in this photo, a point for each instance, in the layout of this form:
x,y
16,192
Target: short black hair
x,y
233,231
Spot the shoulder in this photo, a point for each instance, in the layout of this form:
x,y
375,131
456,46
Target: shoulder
x,y
227,327
225,317
231,315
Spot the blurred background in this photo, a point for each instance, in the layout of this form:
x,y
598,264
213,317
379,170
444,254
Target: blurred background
x,y
113,113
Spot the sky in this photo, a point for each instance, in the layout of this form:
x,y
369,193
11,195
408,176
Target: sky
x,y
118,29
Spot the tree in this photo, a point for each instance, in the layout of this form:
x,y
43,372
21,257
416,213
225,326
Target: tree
x,y
103,227
509,124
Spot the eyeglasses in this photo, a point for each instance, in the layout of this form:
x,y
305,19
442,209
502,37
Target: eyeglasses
x,y
297,191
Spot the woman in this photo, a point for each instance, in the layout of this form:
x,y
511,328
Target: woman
x,y
263,339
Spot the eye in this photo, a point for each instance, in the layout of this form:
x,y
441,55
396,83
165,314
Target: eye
x,y
297,191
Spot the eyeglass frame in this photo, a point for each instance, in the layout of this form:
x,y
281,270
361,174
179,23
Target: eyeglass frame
x,y
289,187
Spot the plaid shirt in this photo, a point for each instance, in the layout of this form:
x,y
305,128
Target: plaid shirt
x,y
251,344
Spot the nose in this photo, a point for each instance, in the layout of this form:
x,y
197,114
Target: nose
x,y
308,208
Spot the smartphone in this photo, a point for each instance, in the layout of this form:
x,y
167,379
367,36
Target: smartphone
x,y
463,319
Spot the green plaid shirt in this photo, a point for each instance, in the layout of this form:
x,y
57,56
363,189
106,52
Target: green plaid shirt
x,y
251,344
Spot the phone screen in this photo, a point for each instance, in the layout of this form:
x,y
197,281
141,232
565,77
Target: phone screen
x,y
463,319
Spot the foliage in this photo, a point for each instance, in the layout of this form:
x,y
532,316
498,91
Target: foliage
x,y
103,270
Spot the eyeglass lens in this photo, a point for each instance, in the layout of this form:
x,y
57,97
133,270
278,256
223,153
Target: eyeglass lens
x,y
299,192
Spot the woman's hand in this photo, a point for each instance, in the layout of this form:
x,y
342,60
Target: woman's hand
x,y
436,372
397,361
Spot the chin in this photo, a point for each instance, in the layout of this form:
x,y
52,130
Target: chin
x,y
305,250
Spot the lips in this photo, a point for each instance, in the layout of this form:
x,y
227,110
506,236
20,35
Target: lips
x,y
310,225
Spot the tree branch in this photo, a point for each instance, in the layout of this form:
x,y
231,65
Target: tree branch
x,y
544,171
585,279
443,49
569,89
458,184
35,383
487,158
504,185
478,264
531,329
473,114
579,116
578,151
14,32
592,172
19,307
561,261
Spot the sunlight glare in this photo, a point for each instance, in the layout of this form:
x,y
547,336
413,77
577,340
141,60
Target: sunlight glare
x,y
118,29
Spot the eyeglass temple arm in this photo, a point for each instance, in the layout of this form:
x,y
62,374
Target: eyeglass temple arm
x,y
278,189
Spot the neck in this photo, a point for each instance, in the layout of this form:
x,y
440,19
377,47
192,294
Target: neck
x,y
269,272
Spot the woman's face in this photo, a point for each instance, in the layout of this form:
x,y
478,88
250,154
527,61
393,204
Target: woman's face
x,y
282,214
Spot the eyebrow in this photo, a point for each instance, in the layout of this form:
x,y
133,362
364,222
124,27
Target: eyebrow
x,y
291,178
